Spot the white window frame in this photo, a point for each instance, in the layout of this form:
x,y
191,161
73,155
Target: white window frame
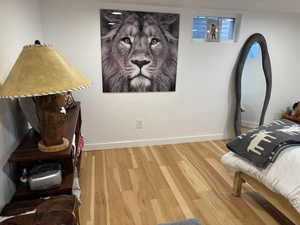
x,y
236,30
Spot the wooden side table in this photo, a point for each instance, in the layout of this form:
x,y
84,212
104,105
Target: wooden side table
x,y
27,155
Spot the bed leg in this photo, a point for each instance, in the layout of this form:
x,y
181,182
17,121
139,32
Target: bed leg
x,y
237,184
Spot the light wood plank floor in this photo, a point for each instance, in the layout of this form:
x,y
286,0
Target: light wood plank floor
x,y
152,185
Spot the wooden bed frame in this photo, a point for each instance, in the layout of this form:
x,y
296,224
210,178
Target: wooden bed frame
x,y
277,200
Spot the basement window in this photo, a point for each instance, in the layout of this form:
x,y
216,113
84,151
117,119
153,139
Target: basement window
x,y
214,29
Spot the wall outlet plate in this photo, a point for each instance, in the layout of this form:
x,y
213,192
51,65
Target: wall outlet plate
x,y
139,124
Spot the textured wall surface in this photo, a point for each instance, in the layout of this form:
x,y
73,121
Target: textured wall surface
x,y
20,25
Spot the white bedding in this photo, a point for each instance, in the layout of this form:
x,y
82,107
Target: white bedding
x,y
283,176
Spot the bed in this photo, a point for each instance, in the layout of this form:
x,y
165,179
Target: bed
x,y
279,183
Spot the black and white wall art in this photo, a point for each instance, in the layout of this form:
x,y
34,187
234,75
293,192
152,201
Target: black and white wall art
x,y
139,51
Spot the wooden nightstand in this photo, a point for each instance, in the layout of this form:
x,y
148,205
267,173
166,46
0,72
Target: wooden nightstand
x,y
27,155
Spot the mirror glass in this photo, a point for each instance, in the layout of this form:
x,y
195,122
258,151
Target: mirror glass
x,y
253,89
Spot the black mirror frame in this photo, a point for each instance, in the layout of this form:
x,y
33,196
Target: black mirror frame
x,y
260,39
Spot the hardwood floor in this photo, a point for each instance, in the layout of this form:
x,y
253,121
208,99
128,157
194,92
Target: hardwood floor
x,y
152,185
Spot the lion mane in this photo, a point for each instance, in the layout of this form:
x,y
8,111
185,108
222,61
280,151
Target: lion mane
x,y
139,53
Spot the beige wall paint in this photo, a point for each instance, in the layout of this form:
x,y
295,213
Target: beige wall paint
x,y
20,25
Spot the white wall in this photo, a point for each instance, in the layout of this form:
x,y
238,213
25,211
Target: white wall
x,y
20,25
201,107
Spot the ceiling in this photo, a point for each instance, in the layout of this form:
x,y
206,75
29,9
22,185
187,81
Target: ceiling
x,y
263,5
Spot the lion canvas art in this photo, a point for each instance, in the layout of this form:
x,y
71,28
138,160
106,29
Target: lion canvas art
x,y
139,51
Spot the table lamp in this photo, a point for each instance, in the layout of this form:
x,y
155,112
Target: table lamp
x,y
41,73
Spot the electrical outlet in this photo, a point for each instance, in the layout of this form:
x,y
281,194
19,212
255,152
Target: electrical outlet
x,y
139,124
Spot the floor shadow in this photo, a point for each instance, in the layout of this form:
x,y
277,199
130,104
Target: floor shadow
x,y
269,208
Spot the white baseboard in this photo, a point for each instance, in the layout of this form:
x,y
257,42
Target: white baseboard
x,y
249,124
151,142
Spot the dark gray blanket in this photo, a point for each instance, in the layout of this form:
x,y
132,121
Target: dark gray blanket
x,y
261,146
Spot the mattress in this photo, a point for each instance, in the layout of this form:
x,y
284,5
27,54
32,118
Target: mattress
x,y
283,176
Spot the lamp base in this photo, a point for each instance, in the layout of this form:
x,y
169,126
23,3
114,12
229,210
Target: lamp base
x,y
54,148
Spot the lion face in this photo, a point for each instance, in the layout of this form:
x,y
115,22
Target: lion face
x,y
139,55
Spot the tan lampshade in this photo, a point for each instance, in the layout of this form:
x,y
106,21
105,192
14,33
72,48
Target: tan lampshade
x,y
40,70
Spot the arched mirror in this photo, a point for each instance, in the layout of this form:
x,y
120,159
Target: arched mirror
x,y
253,84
